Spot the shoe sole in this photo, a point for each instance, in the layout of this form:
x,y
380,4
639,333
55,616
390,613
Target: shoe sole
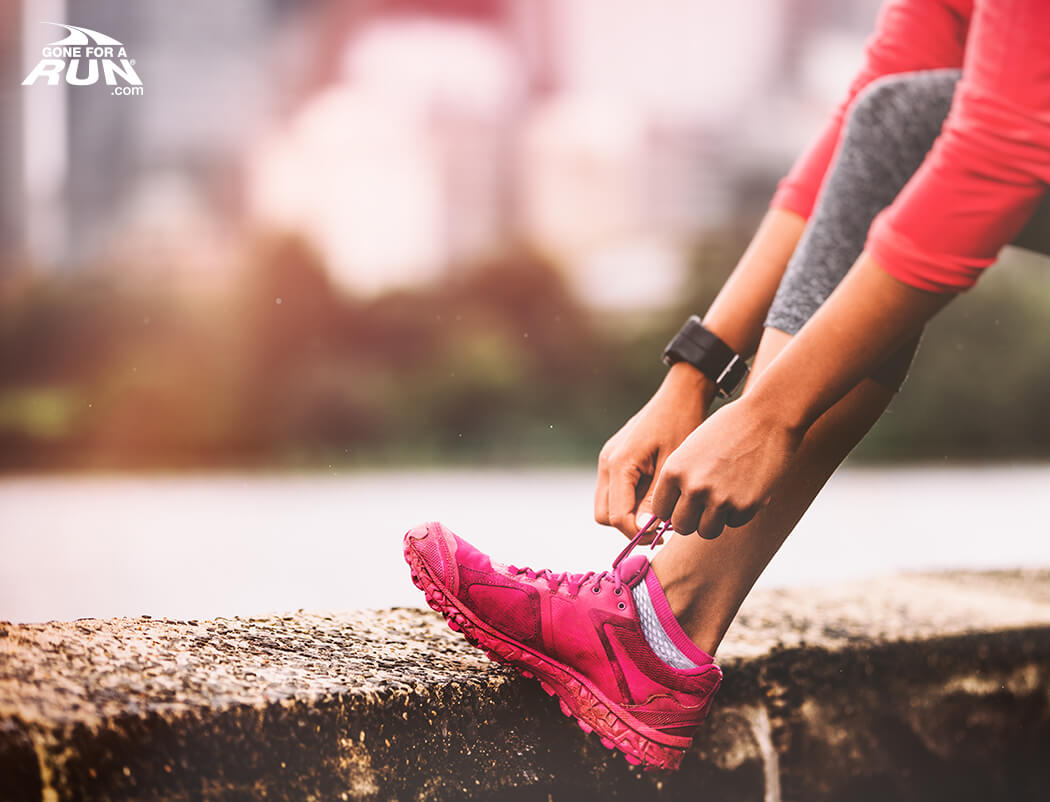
x,y
577,698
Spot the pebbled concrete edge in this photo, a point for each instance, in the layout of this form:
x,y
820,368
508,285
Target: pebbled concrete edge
x,y
811,709
800,724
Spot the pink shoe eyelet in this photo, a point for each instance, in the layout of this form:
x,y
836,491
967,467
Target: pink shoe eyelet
x,y
596,589
621,606
618,591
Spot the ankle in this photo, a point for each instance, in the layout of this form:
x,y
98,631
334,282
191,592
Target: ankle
x,y
699,606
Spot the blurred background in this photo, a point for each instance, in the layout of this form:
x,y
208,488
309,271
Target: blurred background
x,y
345,264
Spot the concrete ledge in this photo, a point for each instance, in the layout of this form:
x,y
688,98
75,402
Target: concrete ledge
x,y
914,688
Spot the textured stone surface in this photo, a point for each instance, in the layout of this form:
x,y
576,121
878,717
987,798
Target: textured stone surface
x,y
919,687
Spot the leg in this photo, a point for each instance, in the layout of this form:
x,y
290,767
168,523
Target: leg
x,y
706,580
892,126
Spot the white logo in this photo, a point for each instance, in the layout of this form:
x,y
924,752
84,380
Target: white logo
x,y
82,57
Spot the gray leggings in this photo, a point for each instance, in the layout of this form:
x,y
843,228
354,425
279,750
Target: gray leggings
x,y
891,127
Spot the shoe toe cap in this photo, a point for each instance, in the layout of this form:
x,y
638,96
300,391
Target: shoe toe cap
x,y
435,547
417,533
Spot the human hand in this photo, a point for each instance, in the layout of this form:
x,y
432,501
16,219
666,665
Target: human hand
x,y
725,471
632,457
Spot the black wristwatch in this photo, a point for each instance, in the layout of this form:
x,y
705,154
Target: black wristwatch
x,y
708,353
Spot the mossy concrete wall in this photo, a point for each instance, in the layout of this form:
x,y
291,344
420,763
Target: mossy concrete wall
x,y
915,688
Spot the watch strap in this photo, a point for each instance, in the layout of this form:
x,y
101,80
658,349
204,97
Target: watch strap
x,y
708,353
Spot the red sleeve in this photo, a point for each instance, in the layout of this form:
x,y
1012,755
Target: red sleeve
x,y
909,35
989,167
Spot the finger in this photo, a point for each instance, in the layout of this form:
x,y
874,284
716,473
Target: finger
x,y
649,526
623,498
645,506
643,489
712,522
641,520
645,511
687,513
665,496
601,493
735,519
642,513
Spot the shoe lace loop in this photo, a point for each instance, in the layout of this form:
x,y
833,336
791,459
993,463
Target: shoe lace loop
x,y
575,582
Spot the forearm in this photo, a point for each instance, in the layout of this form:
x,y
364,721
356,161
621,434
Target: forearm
x,y
866,319
738,313
729,467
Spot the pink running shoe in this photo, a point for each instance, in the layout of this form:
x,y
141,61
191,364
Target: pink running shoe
x,y
578,634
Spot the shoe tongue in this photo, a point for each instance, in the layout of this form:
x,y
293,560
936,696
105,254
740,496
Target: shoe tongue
x,y
633,569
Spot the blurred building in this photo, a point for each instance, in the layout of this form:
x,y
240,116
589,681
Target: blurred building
x,y
406,138
97,165
398,168
12,206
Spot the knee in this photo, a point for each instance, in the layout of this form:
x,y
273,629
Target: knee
x,y
879,104
903,110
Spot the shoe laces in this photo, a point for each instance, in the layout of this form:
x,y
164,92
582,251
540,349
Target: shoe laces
x,y
575,582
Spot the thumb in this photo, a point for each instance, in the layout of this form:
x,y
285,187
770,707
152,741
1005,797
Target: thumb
x,y
645,512
645,506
